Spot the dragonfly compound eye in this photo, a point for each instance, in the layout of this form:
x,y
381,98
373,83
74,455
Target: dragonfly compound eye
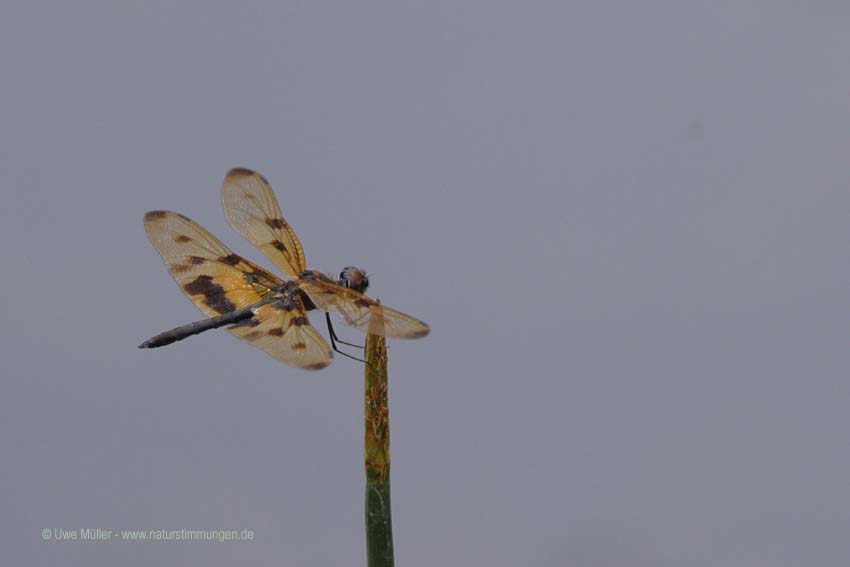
x,y
354,278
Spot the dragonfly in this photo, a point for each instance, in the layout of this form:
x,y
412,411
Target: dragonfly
x,y
256,305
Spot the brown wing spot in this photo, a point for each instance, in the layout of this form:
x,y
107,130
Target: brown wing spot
x,y
202,285
276,223
154,215
180,268
298,321
214,295
230,260
276,332
360,302
279,245
253,335
253,322
182,238
239,172
196,260
299,346
317,366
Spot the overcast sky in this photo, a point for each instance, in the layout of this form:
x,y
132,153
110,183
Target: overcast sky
x,y
626,223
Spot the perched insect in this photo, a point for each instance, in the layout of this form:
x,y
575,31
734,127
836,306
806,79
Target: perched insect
x,y
254,304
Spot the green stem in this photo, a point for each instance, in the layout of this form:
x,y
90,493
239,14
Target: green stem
x,y
379,527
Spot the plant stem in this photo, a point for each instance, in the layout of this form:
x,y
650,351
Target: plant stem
x,y
379,528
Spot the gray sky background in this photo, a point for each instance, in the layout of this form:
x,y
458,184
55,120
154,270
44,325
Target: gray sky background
x,y
626,223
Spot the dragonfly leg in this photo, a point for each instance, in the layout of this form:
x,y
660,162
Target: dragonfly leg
x,y
333,333
335,339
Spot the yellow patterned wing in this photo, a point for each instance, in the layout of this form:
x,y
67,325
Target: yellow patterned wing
x,y
214,278
284,332
251,208
360,311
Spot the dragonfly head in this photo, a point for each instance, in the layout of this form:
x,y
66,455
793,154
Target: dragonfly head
x,y
354,278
